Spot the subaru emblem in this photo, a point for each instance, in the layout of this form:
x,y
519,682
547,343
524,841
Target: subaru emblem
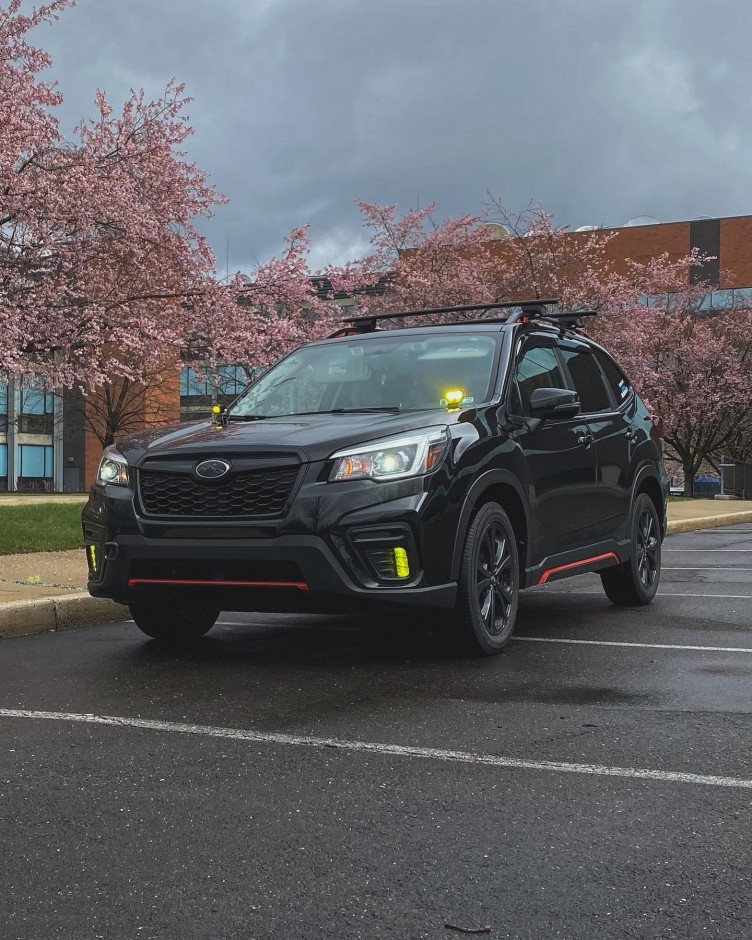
x,y
211,469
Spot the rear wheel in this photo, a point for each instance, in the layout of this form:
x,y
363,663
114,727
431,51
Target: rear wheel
x,y
488,583
636,582
174,623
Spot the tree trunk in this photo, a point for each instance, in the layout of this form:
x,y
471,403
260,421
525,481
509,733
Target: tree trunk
x,y
689,475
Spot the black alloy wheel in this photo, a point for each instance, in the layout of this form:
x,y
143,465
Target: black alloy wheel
x,y
648,548
174,623
489,582
636,582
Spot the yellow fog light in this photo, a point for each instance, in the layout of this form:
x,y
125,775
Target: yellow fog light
x,y
216,410
401,564
91,551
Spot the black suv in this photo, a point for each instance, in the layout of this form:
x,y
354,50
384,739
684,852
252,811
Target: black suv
x,y
444,467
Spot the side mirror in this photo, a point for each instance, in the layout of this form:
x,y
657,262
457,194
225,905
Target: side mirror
x,y
554,403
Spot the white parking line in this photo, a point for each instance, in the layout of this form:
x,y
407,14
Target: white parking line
x,y
596,593
704,568
394,750
647,646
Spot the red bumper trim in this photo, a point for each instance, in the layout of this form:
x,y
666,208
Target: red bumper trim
x,y
578,564
299,585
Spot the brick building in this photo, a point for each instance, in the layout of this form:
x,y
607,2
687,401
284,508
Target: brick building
x,y
46,443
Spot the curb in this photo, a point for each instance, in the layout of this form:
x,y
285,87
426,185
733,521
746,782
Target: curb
x,y
47,614
709,522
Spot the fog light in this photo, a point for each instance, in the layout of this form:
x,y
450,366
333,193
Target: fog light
x,y
401,564
91,553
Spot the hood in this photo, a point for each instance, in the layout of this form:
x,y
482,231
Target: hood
x,y
310,437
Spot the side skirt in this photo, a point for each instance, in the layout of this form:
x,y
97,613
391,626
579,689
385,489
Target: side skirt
x,y
589,558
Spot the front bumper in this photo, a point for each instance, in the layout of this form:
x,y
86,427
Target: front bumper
x,y
318,558
291,573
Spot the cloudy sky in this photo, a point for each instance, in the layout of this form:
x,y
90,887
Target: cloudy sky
x,y
602,110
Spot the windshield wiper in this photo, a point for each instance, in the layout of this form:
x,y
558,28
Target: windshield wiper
x,y
388,410
233,417
385,409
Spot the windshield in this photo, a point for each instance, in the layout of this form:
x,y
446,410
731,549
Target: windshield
x,y
391,373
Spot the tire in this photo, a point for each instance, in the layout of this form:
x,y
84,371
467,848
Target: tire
x,y
174,623
489,584
635,583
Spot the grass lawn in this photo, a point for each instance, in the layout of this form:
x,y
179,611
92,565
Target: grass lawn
x,y
46,527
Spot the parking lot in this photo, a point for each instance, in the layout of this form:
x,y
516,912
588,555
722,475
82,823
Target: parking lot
x,y
320,777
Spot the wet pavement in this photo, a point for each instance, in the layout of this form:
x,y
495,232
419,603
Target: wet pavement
x,y
594,781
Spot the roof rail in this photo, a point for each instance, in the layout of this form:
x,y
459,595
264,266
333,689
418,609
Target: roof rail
x,y
530,307
533,309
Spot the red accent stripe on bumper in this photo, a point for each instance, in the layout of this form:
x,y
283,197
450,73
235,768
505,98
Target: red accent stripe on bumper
x,y
578,564
299,585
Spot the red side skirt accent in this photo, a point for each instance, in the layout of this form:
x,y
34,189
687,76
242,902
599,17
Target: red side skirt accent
x,y
578,564
299,585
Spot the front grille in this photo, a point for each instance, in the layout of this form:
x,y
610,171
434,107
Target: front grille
x,y
248,493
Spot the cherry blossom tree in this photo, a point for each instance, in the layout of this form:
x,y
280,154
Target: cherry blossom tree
x,y
102,271
692,365
277,308
422,263
419,262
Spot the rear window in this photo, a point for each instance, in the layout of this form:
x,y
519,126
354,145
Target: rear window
x,y
619,385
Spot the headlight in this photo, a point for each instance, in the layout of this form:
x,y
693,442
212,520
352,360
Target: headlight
x,y
392,459
113,468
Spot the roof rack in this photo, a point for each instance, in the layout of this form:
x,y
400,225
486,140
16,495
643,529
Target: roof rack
x,y
532,307
528,310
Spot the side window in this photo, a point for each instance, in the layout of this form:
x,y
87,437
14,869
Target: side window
x,y
537,367
619,385
588,380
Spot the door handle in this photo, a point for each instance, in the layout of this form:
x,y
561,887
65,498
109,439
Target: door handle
x,y
586,439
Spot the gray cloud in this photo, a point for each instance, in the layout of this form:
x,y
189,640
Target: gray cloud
x,y
600,109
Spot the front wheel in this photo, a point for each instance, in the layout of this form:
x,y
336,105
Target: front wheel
x,y
174,623
489,582
636,582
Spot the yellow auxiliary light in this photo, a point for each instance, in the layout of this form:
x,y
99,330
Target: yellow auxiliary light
x,y
454,397
92,553
216,410
401,564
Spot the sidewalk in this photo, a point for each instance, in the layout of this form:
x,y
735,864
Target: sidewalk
x,y
48,589
28,499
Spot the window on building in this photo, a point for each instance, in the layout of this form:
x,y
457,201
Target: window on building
x,y
3,467
36,467
231,380
36,409
191,386
222,385
3,407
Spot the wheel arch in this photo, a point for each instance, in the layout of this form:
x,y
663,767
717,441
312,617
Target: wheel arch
x,y
502,487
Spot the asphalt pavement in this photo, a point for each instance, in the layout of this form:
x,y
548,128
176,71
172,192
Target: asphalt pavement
x,y
322,777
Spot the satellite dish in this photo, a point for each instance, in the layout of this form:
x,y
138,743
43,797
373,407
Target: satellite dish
x,y
496,231
587,228
642,220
